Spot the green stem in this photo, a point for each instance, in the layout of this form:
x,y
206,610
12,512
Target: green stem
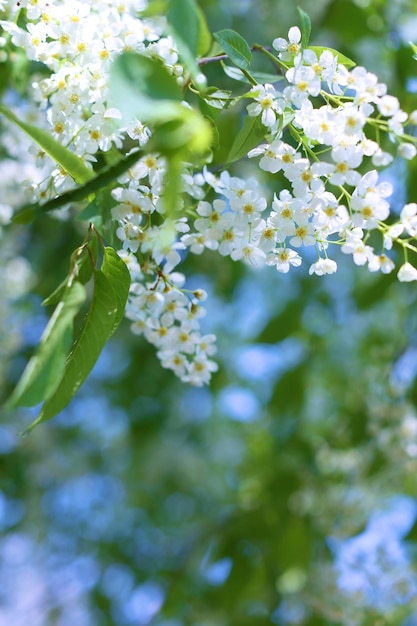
x,y
249,77
270,56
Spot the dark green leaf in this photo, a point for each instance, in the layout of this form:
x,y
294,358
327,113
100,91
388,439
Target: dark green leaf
x,y
68,160
235,47
305,27
249,136
44,370
5,77
25,215
91,211
81,268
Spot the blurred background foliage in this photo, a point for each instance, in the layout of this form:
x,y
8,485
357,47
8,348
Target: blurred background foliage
x,y
286,492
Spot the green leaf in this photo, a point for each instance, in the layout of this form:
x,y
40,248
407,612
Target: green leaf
x,y
92,210
44,370
5,76
204,35
81,268
184,23
190,132
116,271
261,77
111,289
218,98
305,27
25,215
235,47
175,10
285,119
68,160
143,88
341,58
99,325
155,7
249,136
414,49
183,18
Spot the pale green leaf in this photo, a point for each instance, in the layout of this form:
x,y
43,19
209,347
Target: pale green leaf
x,y
236,48
68,160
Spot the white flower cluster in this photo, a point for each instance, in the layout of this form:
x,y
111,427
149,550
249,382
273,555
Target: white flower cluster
x,y
326,167
159,306
322,134
169,319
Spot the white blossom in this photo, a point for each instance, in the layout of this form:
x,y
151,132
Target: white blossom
x,y
407,273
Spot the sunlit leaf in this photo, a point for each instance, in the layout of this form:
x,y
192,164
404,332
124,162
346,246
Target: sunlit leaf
x,y
155,7
68,160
